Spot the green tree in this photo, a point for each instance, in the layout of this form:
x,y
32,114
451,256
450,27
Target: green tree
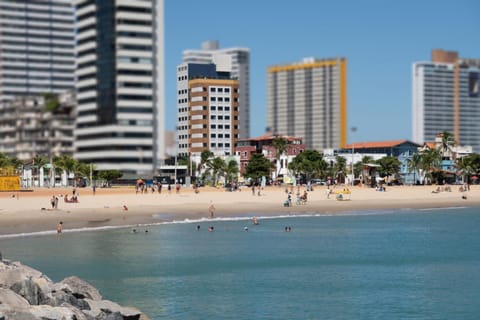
x,y
280,145
217,166
308,163
231,170
468,165
51,101
38,163
4,160
340,168
205,157
68,164
258,166
109,175
430,162
448,142
185,161
414,163
389,166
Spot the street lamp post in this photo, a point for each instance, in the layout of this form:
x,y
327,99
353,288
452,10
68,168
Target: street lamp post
x,y
353,129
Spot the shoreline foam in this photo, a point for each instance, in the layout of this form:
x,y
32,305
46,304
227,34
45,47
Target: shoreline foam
x,y
23,215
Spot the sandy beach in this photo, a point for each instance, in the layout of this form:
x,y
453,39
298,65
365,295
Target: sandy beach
x,y
26,212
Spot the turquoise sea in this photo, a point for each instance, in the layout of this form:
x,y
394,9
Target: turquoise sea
x,y
405,264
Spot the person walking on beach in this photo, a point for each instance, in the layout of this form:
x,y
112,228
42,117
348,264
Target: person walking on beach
x,y
253,189
211,209
56,202
169,188
59,228
52,202
94,188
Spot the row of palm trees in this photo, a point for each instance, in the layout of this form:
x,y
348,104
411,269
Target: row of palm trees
x,y
64,163
213,168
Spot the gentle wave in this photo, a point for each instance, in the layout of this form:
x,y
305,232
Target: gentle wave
x,y
244,217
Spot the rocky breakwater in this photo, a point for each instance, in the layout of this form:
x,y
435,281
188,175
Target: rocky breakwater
x,y
27,294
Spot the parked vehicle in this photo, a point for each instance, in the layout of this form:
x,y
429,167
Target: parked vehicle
x,y
318,182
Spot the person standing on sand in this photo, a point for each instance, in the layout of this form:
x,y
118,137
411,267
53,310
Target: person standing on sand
x,y
52,202
211,209
59,228
94,188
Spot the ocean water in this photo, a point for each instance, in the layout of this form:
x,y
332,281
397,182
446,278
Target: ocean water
x,y
404,264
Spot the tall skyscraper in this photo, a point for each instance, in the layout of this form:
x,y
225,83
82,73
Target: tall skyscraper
x,y
308,99
36,48
208,110
233,60
120,84
446,97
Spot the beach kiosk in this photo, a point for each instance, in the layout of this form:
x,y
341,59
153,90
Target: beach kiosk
x,y
9,179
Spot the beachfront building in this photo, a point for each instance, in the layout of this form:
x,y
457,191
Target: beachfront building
x,y
32,126
208,110
401,149
450,154
309,99
120,84
446,97
36,48
29,129
245,148
235,60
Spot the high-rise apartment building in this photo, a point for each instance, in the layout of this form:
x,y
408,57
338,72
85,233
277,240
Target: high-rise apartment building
x,y
208,110
308,99
446,97
28,128
120,84
36,48
234,60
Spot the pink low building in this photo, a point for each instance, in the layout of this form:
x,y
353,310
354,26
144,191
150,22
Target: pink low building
x,y
264,144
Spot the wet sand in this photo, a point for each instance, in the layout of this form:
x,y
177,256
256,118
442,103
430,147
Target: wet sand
x,y
26,212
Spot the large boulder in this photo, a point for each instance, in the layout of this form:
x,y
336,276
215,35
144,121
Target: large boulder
x,y
27,294
82,289
105,309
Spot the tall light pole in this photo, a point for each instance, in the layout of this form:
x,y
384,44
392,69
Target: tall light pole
x,y
353,129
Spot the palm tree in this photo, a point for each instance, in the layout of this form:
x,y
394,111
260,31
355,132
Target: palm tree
x,y
414,163
39,162
217,165
430,162
340,168
448,141
68,164
280,145
204,159
231,169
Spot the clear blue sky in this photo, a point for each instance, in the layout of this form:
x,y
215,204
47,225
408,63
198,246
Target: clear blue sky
x,y
380,39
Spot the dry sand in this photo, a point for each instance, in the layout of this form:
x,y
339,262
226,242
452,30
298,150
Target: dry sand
x,y
21,212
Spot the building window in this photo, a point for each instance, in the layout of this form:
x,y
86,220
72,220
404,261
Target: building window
x,y
213,145
220,89
213,99
213,108
212,89
213,135
227,90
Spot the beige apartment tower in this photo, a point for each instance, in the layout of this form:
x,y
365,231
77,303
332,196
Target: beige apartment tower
x,y
308,99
